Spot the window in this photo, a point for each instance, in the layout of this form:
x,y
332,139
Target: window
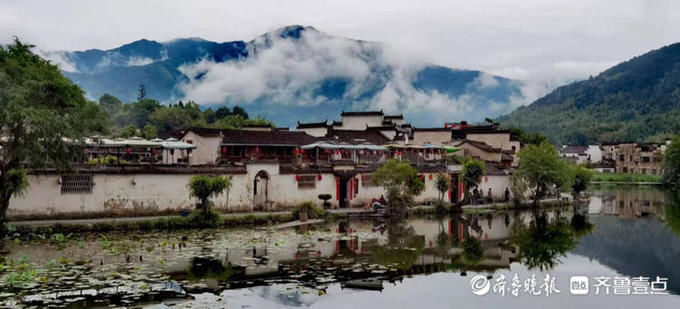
x,y
367,181
645,159
644,171
622,158
76,184
653,171
307,182
625,170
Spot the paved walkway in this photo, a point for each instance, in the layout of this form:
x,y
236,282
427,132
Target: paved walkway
x,y
345,211
135,219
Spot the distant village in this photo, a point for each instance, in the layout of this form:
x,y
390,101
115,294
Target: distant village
x,y
625,157
273,169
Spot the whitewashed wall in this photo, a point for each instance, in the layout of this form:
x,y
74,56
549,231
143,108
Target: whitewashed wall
x,y
116,193
497,185
128,194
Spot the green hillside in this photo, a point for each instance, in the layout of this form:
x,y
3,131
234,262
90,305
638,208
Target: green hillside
x,y
637,100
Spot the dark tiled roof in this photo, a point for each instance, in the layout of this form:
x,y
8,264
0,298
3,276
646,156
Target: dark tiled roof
x,y
366,113
382,128
506,157
257,126
357,137
279,138
394,117
336,123
205,131
492,170
480,145
309,125
574,149
440,129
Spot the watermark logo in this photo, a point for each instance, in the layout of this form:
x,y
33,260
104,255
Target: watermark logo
x,y
480,285
578,285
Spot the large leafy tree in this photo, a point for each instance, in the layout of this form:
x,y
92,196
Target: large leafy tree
x,y
541,168
401,183
473,171
671,164
581,179
42,116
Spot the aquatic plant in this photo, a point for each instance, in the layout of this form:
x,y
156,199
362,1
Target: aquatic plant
x,y
313,211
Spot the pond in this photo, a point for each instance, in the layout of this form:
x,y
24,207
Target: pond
x,y
620,249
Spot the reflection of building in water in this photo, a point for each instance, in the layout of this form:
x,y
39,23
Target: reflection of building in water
x,y
630,203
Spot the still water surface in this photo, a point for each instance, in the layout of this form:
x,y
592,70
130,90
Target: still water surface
x,y
422,262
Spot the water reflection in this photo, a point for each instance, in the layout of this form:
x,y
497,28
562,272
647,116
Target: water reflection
x,y
627,232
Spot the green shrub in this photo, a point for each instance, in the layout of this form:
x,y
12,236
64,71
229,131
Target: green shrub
x,y
204,218
313,212
107,160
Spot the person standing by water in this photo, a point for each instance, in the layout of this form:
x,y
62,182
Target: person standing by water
x,y
489,197
507,195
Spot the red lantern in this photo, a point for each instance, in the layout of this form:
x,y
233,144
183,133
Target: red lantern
x,y
128,150
153,151
318,177
224,149
257,149
430,176
297,151
363,177
446,126
297,177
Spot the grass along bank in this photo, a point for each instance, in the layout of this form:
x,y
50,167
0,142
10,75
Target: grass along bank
x,y
626,178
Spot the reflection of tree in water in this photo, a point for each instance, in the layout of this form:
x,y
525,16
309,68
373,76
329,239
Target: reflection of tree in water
x,y
208,268
402,249
671,212
542,243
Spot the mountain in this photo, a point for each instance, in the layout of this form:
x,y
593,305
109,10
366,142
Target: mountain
x,y
637,100
293,73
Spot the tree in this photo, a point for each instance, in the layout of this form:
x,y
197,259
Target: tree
x,y
171,118
473,171
205,187
671,164
141,95
580,179
400,181
110,104
222,112
543,169
42,116
150,131
442,184
239,111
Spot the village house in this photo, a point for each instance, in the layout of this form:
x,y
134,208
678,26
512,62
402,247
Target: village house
x,y
574,154
638,158
270,169
581,154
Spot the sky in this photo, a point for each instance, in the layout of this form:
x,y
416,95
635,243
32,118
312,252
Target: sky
x,y
549,42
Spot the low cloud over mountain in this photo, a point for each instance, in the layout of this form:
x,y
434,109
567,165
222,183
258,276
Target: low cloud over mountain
x,y
294,73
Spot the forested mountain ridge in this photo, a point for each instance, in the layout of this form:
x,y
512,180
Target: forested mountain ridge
x,y
636,100
289,74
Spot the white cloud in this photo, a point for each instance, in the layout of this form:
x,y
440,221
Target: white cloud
x,y
285,71
138,61
61,59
